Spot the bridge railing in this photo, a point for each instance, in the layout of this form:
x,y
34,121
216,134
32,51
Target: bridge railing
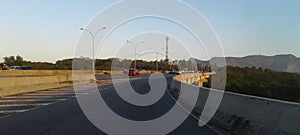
x,y
245,114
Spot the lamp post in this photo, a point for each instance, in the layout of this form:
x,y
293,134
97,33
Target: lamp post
x,y
156,61
135,47
157,52
93,35
173,57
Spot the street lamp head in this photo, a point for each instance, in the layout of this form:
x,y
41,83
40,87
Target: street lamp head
x,y
104,28
82,28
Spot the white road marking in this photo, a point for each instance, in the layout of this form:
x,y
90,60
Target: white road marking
x,y
36,96
14,111
59,92
28,100
45,98
33,104
63,89
93,91
42,94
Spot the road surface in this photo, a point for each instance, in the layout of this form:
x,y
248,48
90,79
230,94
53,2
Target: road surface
x,y
57,111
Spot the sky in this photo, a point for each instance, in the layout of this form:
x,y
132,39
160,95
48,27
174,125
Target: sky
x,y
48,30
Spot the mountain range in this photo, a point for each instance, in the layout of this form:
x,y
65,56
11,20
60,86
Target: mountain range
x,y
282,63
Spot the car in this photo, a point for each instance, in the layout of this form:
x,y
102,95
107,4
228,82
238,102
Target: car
x,y
19,68
133,72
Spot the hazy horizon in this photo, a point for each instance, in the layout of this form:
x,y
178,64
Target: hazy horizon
x,y
162,58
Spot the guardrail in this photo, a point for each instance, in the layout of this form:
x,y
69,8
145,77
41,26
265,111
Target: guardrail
x,y
245,114
24,81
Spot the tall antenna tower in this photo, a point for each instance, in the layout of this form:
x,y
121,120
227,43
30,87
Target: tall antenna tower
x,y
167,48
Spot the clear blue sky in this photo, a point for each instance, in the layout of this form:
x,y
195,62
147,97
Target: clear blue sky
x,y
48,30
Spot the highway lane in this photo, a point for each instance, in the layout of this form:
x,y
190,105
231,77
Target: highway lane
x,y
29,101
66,117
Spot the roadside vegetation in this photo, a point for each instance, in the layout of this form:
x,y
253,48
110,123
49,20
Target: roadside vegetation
x,y
264,83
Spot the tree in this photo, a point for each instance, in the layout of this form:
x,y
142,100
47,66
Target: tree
x,y
13,61
19,60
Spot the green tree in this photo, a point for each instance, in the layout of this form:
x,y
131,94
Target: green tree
x,y
14,61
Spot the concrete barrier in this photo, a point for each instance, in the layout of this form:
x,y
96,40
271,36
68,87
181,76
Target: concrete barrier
x,y
248,115
24,81
108,72
14,82
119,72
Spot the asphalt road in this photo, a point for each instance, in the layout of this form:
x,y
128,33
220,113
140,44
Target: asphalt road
x,y
66,117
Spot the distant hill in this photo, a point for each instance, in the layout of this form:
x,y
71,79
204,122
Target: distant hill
x,y
284,63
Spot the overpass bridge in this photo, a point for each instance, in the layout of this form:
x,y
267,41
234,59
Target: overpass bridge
x,y
57,111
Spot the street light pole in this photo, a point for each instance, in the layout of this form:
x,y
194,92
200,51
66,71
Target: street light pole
x,y
157,52
93,35
157,61
135,57
135,47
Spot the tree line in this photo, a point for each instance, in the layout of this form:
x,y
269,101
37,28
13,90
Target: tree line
x,y
104,64
263,83
19,61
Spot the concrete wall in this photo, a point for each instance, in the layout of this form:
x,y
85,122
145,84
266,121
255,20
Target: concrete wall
x,y
119,72
248,115
108,71
23,81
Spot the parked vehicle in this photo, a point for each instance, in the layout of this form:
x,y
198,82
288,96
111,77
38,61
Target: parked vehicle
x,y
19,68
4,67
